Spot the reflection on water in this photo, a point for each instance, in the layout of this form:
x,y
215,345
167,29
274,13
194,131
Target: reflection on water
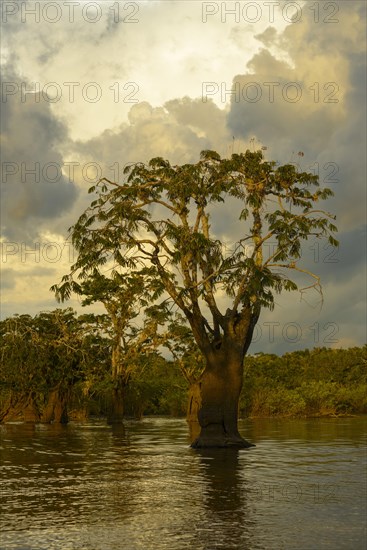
x,y
98,487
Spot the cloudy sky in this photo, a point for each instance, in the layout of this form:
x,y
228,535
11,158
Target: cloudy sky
x,y
90,86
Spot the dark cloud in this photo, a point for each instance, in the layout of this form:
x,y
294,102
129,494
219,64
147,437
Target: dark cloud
x,y
34,188
336,265
268,36
348,149
327,121
204,117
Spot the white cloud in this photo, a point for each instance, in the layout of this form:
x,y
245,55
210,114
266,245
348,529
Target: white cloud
x,y
167,53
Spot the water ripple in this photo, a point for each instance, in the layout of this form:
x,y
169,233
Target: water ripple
x,y
90,486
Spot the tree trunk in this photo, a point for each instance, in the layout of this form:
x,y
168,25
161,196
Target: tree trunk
x,y
30,412
20,408
220,388
193,407
60,411
55,409
10,409
116,409
13,408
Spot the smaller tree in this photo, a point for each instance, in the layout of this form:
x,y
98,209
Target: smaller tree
x,y
124,297
96,349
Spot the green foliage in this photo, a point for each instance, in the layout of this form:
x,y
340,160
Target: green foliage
x,y
156,388
303,383
156,233
38,351
52,349
266,401
298,384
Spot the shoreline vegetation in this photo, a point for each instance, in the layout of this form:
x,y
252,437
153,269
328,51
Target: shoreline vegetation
x,y
63,378
309,383
321,382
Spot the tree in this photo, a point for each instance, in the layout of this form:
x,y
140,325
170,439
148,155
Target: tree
x,y
42,357
123,295
96,369
161,224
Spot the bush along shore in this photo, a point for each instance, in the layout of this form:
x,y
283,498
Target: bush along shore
x,y
318,382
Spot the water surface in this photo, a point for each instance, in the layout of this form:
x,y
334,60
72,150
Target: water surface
x,y
92,486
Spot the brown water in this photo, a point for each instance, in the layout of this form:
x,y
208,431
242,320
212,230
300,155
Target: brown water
x,y
88,486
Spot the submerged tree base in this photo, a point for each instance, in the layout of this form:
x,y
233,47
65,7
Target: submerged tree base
x,y
114,419
221,442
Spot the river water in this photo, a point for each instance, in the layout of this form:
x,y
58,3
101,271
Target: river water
x,y
94,487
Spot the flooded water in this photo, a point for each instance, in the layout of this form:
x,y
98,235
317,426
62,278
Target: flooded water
x,y
91,486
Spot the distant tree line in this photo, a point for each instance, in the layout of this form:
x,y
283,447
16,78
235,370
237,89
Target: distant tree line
x,y
59,365
313,382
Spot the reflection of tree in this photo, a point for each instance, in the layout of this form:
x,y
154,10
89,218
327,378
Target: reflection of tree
x,y
118,435
224,499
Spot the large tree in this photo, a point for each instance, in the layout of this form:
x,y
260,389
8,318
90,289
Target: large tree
x,y
166,223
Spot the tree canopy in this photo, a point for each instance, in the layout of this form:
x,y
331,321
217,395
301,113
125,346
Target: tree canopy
x,y
157,226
